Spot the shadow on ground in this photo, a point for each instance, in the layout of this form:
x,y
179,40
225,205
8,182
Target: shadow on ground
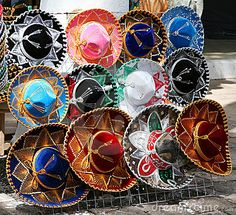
x,y
217,84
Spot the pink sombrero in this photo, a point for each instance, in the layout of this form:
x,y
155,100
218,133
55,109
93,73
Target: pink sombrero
x,y
94,36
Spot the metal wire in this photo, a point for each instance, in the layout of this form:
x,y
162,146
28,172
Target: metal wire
x,y
202,185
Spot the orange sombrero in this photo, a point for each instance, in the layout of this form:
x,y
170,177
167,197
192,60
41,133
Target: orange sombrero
x,y
93,147
94,36
202,132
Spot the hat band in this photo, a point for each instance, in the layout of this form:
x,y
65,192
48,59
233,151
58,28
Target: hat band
x,y
196,143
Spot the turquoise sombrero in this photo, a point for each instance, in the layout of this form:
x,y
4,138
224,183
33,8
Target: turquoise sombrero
x,y
38,95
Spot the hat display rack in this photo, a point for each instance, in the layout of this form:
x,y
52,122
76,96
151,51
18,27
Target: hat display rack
x,y
109,155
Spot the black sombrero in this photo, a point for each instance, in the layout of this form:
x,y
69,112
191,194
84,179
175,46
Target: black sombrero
x,y
37,38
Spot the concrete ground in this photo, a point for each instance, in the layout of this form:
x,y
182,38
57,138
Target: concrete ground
x,y
224,202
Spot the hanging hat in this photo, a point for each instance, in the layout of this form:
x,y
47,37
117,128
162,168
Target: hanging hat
x,y
38,95
152,151
158,7
141,83
144,35
93,147
37,38
90,87
38,171
202,132
94,37
184,28
188,75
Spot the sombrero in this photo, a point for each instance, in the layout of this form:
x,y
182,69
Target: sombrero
x,y
93,147
188,75
94,37
144,35
90,87
38,171
155,6
202,132
37,38
38,95
184,28
141,83
152,151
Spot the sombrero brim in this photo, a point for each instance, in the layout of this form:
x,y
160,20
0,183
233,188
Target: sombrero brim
x,y
192,16
211,112
76,144
104,18
19,175
40,72
202,87
139,153
153,68
58,50
105,79
158,53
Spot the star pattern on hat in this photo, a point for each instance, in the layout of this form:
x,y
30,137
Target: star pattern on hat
x,y
203,80
17,91
156,51
217,136
141,150
160,79
18,52
22,171
118,178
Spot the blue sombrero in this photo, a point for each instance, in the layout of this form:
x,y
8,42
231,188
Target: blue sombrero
x,y
184,28
38,95
39,173
144,36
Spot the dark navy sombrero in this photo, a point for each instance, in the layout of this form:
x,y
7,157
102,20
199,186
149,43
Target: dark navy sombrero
x,y
144,36
184,28
39,173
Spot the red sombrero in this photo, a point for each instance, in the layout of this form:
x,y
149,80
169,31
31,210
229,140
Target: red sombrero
x,y
93,147
94,36
202,132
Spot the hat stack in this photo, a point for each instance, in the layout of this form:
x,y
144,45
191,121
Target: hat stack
x,y
3,66
123,127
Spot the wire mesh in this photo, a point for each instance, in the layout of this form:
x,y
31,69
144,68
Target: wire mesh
x,y
202,185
